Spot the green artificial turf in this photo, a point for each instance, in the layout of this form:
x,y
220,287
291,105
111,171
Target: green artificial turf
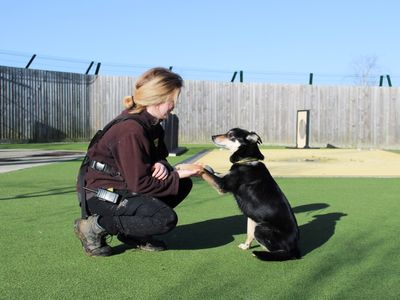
x,y
349,239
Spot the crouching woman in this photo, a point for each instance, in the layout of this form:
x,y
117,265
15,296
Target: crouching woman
x,y
130,159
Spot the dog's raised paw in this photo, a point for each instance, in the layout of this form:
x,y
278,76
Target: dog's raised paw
x,y
244,246
209,169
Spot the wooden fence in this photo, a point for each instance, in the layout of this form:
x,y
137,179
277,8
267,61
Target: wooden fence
x,y
39,106
52,106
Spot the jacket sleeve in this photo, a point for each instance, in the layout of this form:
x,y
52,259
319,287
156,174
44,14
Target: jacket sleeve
x,y
134,159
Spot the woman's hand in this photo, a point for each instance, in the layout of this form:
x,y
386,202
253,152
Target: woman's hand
x,y
186,173
187,170
160,171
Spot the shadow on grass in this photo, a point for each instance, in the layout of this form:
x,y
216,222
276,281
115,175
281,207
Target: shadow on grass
x,y
309,207
206,234
219,232
48,192
317,232
201,235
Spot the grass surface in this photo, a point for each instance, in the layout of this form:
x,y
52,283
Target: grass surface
x,y
349,239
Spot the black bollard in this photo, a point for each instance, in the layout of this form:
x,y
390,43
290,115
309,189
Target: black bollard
x,y
171,128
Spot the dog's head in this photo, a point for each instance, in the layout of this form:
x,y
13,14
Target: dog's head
x,y
242,143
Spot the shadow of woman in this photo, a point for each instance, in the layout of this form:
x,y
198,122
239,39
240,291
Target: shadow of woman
x,y
206,234
219,232
201,235
318,231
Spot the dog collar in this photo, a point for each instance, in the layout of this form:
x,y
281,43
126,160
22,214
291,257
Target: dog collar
x,y
246,160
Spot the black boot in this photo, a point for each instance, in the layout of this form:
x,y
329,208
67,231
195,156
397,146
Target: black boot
x,y
92,236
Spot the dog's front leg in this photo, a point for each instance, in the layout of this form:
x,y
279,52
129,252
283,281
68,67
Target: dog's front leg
x,y
251,226
213,180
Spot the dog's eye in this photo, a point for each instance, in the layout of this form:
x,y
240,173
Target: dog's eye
x,y
230,136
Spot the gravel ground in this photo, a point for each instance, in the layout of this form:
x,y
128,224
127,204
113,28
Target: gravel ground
x,y
317,162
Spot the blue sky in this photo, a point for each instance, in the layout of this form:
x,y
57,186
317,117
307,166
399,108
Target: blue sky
x,y
272,41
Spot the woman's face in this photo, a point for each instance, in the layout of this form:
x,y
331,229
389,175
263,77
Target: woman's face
x,y
162,110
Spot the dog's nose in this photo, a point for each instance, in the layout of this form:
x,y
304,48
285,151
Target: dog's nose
x,y
213,137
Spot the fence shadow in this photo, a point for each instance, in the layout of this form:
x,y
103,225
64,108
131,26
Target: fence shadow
x,y
44,193
45,133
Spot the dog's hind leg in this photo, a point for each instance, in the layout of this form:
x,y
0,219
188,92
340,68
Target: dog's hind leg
x,y
251,226
273,241
267,237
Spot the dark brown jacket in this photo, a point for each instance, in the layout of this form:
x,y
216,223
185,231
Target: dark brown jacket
x,y
133,150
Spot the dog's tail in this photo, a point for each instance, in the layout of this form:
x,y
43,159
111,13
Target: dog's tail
x,y
277,255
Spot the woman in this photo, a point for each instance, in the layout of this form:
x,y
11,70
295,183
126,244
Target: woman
x,y
130,159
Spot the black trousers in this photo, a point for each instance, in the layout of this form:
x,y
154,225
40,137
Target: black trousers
x,y
140,216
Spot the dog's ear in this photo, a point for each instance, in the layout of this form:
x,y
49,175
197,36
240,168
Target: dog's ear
x,y
254,138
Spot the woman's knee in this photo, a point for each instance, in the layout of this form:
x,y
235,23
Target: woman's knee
x,y
152,217
168,218
185,186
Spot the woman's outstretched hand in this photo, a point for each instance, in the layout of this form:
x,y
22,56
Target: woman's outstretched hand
x,y
187,170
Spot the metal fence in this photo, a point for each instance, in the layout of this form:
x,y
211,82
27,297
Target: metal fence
x,y
52,106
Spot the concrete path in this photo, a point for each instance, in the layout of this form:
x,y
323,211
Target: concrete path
x,y
16,159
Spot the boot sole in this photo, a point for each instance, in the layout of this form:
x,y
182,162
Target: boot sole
x,y
151,249
137,245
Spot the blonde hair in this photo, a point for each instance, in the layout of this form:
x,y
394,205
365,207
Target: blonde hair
x,y
153,87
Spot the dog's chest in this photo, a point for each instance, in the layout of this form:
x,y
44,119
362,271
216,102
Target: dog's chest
x,y
248,208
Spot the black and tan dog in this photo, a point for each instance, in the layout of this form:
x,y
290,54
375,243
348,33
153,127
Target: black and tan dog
x,y
270,218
